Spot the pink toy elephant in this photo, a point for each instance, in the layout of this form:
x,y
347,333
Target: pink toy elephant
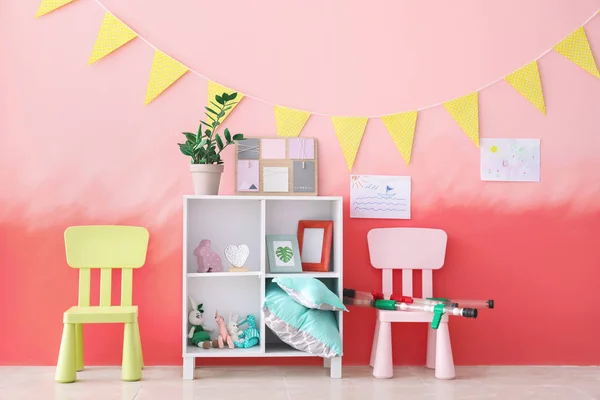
x,y
208,260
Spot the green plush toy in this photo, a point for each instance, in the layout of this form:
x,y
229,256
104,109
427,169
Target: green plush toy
x,y
198,334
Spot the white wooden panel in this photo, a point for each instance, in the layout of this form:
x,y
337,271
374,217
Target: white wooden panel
x,y
263,266
407,282
187,363
337,210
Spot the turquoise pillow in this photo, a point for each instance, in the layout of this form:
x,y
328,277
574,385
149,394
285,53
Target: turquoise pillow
x,y
311,293
309,330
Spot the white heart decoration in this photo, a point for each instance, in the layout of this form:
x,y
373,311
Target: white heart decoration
x,y
237,255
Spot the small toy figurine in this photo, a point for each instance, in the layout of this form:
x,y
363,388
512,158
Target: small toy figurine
x,y
223,334
233,328
250,336
208,260
198,333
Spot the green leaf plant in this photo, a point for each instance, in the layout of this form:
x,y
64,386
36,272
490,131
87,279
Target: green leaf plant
x,y
206,147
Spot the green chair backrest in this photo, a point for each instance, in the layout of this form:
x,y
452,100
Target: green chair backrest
x,y
106,247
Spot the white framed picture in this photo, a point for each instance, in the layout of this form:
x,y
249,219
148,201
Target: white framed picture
x,y
284,254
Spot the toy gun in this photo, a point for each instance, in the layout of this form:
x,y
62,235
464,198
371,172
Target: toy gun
x,y
436,306
428,301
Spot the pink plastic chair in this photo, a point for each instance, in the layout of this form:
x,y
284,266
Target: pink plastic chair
x,y
408,249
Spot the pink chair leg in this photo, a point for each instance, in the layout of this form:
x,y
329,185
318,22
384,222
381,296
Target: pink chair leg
x,y
374,346
444,362
431,335
383,367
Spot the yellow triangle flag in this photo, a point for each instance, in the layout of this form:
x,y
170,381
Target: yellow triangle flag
x,y
402,129
577,49
349,131
165,71
465,111
50,5
289,121
527,81
113,34
216,89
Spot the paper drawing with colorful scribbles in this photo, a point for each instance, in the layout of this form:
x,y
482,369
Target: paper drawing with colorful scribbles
x,y
514,160
380,196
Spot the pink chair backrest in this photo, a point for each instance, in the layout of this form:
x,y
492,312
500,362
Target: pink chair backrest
x,y
407,249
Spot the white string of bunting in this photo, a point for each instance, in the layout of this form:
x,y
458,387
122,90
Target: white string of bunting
x,y
165,71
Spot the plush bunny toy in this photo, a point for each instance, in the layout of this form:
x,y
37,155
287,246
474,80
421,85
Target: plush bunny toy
x,y
223,336
198,333
233,328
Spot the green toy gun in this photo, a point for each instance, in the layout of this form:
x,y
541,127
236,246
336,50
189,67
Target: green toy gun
x,y
438,307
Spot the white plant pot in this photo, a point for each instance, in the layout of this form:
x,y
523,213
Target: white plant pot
x,y
207,178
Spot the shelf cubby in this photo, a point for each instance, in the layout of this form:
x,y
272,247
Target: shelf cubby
x,y
282,216
223,223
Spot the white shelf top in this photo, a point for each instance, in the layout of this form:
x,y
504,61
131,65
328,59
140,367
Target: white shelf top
x,y
222,274
306,275
234,197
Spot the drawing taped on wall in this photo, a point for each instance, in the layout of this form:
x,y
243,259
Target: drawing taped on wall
x,y
380,196
516,160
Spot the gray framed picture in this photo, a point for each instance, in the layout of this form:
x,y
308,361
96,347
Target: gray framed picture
x,y
284,254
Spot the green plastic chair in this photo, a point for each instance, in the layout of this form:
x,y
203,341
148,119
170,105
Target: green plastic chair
x,y
105,247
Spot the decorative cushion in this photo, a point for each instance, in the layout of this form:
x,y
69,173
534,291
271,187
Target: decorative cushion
x,y
311,293
309,330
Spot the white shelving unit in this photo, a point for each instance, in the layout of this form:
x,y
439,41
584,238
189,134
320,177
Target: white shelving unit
x,y
226,220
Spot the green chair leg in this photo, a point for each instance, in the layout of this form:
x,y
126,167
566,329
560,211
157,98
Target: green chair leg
x,y
65,367
78,347
131,368
139,344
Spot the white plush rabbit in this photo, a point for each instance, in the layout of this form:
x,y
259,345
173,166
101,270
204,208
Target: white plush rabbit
x,y
199,334
233,328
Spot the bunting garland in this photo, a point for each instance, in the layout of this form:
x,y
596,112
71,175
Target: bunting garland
x,y
165,71
113,34
527,81
402,129
349,131
577,49
290,122
50,5
465,111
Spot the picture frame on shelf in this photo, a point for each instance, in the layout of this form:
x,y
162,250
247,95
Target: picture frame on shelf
x,y
284,254
315,240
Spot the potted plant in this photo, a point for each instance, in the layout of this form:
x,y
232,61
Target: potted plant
x,y
205,149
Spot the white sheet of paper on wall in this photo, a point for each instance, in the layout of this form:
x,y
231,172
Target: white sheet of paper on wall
x,y
380,196
510,160
275,179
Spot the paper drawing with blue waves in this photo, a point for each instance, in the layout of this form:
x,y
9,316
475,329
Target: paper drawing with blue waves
x,y
380,196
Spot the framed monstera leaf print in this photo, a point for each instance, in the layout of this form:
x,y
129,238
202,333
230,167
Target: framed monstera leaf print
x,y
284,254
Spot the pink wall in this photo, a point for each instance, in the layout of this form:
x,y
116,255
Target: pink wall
x,y
77,146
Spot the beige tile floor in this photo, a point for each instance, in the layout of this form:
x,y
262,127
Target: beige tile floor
x,y
310,383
